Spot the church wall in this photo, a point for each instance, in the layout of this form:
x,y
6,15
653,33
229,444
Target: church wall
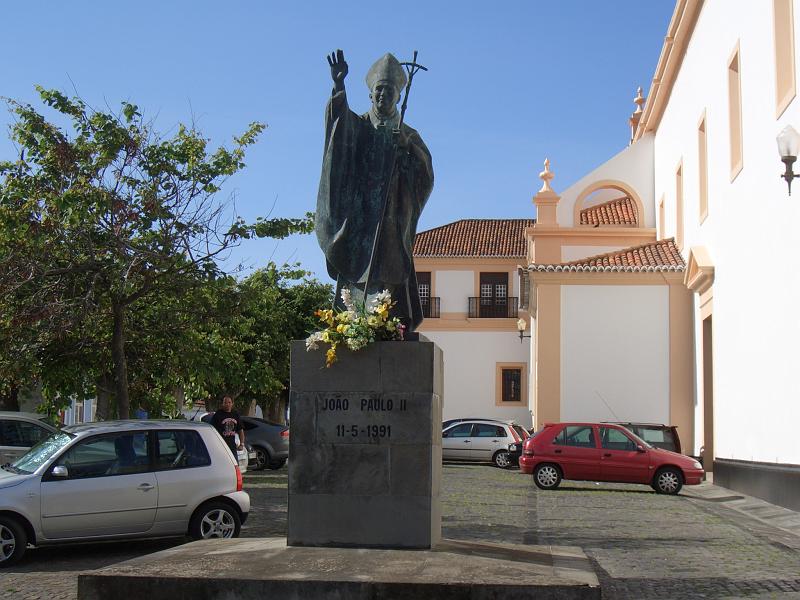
x,y
470,361
632,166
615,350
570,253
750,230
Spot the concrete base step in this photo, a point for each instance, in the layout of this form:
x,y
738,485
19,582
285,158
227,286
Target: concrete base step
x,y
258,568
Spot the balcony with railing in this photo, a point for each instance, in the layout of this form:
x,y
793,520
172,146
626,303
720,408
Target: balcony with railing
x,y
430,307
493,308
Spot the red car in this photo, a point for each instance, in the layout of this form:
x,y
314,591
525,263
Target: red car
x,y
604,452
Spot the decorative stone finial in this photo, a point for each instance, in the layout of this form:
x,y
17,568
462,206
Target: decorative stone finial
x,y
546,176
634,119
639,100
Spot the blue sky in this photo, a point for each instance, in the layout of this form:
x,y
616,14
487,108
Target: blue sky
x,y
510,83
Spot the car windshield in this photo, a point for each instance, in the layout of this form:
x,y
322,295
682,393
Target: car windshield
x,y
40,453
638,439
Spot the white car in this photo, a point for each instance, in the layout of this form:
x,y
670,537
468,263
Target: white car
x,y
121,479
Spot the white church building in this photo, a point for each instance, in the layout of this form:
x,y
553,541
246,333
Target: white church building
x,y
663,285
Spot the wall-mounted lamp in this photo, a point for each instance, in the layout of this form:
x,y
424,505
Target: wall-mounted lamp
x,y
522,324
788,147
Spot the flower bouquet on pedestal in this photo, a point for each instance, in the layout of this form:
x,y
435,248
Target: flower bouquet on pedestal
x,y
356,326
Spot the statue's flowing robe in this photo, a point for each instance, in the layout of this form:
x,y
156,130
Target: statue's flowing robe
x,y
356,169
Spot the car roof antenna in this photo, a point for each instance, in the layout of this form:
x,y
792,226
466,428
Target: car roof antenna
x,y
616,418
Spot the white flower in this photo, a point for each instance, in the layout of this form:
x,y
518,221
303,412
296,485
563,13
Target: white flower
x,y
384,296
312,340
347,298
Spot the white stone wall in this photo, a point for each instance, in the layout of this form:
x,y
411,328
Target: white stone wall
x,y
633,166
570,253
470,359
454,287
750,232
615,353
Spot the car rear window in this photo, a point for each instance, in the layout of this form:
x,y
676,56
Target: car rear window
x,y
521,432
180,449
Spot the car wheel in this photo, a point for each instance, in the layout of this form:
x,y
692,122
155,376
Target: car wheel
x,y
547,476
668,481
276,464
262,458
13,541
502,459
215,520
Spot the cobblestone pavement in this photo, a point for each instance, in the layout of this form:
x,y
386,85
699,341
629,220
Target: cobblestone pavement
x,y
642,545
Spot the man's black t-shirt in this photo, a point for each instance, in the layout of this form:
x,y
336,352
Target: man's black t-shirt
x,y
228,424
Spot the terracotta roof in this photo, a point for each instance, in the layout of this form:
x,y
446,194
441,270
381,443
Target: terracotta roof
x,y
662,255
621,211
475,237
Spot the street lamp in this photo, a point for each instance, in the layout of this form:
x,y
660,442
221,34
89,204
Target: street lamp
x,y
788,147
522,324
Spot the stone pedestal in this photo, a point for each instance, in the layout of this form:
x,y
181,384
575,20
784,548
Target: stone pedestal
x,y
365,454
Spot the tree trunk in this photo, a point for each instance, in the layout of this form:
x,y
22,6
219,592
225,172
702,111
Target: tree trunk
x,y
120,362
10,400
104,389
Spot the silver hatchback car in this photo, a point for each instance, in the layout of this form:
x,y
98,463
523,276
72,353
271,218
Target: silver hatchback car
x,y
483,440
121,479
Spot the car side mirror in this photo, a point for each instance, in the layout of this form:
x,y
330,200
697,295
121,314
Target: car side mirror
x,y
640,448
444,434
60,471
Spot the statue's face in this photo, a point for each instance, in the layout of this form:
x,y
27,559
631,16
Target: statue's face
x,y
385,97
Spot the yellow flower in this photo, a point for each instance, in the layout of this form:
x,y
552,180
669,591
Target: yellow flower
x,y
326,337
342,328
330,356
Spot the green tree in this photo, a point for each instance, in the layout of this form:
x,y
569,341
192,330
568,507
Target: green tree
x,y
244,350
106,226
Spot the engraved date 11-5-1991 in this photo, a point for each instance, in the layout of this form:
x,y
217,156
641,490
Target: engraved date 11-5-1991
x,y
370,431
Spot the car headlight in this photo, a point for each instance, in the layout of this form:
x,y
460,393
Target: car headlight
x,y
512,447
697,465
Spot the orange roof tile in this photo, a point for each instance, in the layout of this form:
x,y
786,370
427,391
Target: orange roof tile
x,y
475,237
621,211
662,255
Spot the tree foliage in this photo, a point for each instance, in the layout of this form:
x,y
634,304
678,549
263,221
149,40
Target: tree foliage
x,y
110,237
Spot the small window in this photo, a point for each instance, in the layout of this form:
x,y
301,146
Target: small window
x,y
614,439
117,454
512,385
463,430
180,449
424,286
735,113
581,436
783,20
702,167
679,207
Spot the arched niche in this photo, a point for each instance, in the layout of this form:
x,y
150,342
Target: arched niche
x,y
607,184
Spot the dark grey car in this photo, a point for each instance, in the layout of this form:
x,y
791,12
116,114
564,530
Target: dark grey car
x,y
269,440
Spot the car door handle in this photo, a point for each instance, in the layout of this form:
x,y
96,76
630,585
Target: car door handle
x,y
607,455
467,441
146,487
557,451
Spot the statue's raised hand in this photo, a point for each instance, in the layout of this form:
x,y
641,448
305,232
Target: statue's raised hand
x,y
338,69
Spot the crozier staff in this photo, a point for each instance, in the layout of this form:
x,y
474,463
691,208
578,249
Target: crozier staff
x,y
377,175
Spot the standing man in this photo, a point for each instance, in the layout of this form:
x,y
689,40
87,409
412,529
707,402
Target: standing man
x,y
228,423
371,159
